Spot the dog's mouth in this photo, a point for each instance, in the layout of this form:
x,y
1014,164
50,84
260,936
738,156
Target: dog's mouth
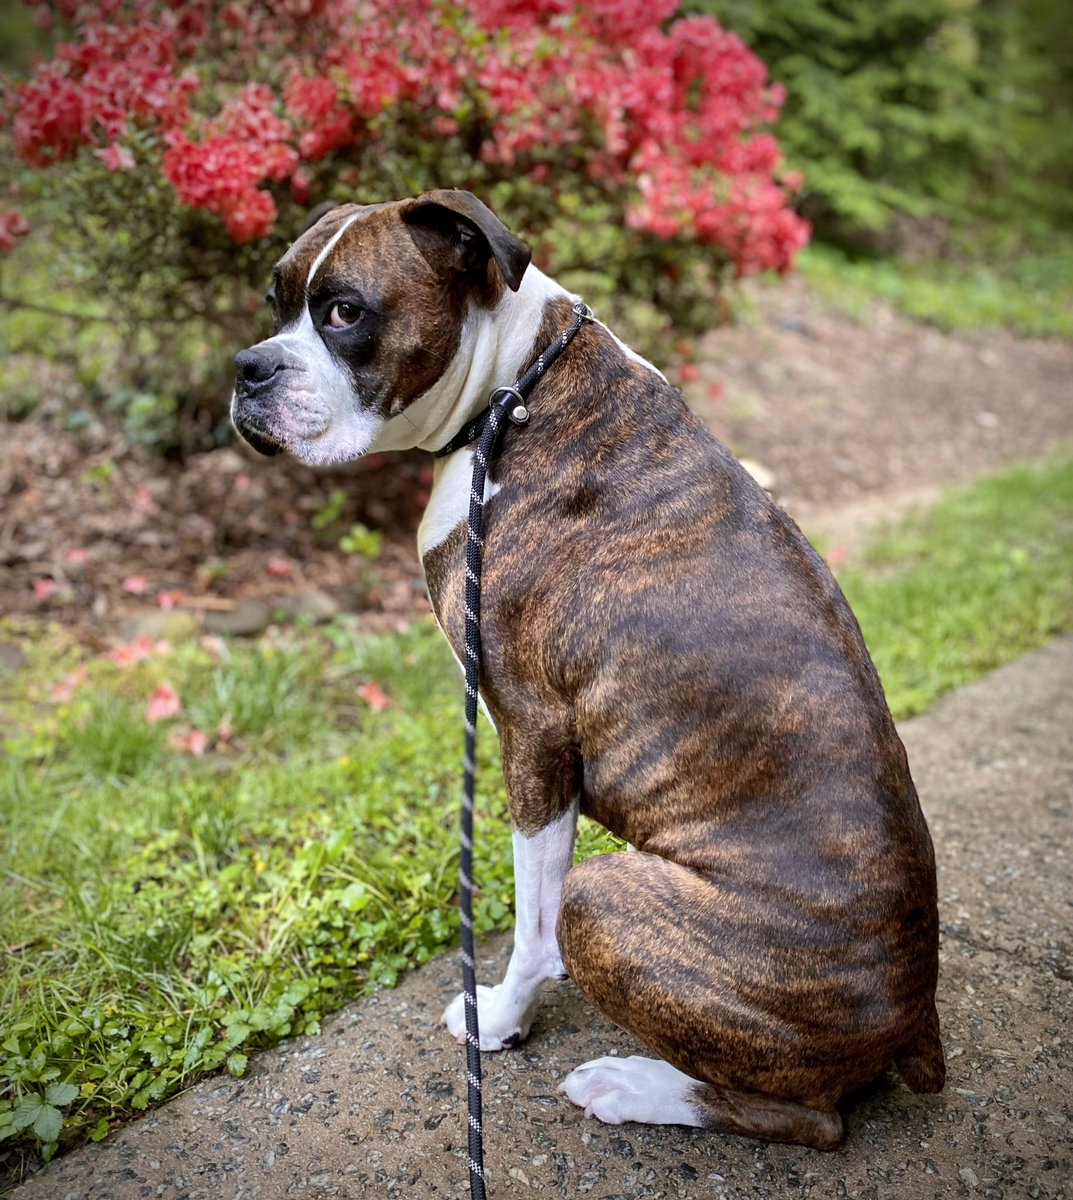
x,y
249,419
258,440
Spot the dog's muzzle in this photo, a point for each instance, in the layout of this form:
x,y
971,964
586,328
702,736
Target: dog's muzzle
x,y
258,372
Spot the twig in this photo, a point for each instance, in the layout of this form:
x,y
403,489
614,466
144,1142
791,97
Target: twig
x,y
30,306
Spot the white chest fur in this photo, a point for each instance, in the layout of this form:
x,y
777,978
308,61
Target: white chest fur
x,y
449,503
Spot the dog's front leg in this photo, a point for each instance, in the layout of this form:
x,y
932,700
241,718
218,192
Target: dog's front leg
x,y
541,861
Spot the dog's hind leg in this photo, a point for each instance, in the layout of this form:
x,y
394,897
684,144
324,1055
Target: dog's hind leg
x,y
653,1092
760,1034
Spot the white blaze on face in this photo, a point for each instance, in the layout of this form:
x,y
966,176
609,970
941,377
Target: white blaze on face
x,y
319,417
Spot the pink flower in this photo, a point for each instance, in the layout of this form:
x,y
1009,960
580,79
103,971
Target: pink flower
x,y
45,589
169,598
137,585
77,557
12,225
163,703
279,568
116,157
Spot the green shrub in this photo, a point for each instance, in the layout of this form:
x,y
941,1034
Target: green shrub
x,y
955,110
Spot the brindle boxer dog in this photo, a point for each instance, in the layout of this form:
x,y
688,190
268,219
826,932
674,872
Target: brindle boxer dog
x,y
664,651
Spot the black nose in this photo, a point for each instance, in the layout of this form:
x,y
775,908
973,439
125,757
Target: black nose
x,y
258,365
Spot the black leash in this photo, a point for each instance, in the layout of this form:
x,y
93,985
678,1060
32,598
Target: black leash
x,y
486,430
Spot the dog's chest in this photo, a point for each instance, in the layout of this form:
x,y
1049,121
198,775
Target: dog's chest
x,y
441,539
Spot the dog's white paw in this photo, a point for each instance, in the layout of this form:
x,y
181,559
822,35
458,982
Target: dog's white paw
x,y
500,1023
632,1089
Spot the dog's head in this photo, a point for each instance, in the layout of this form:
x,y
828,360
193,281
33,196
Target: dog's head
x,y
369,307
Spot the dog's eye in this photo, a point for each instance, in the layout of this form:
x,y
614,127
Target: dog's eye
x,y
342,316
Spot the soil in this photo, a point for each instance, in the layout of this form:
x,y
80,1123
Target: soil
x,y
852,420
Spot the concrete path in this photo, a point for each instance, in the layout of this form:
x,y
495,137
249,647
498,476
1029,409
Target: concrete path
x,y
373,1105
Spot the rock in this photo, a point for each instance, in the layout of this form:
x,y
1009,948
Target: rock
x,y
316,605
12,658
173,625
760,473
247,619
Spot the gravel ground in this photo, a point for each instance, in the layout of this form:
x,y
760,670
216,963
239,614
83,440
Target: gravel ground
x,y
372,1106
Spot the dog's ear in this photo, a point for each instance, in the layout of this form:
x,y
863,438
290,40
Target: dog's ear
x,y
474,235
315,214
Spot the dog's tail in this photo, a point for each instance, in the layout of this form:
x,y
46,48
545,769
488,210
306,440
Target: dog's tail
x,y
920,1062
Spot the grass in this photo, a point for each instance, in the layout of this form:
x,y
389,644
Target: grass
x,y
164,914
1031,294
958,589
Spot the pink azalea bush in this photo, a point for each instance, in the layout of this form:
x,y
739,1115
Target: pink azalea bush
x,y
623,142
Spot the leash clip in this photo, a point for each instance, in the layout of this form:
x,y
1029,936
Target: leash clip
x,y
518,413
582,310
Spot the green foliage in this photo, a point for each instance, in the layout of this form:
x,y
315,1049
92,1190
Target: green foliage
x,y
950,109
969,584
147,298
115,309
1031,294
166,915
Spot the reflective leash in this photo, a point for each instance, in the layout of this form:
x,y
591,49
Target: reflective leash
x,y
486,430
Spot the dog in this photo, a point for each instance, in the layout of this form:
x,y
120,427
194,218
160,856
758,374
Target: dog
x,y
662,651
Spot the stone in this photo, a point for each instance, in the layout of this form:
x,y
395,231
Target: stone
x,y
171,624
760,473
247,619
315,605
12,658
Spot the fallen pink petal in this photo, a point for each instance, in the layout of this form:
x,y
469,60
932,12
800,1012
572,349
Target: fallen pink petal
x,y
195,742
373,695
45,589
144,505
126,654
137,585
163,703
64,690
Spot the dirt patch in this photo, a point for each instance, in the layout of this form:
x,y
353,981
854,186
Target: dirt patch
x,y
857,420
853,419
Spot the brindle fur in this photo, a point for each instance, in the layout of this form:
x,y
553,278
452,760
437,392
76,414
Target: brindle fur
x,y
659,636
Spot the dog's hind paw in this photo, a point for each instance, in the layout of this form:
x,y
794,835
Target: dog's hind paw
x,y
499,1022
632,1089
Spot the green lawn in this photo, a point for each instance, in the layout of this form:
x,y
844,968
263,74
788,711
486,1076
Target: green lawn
x,y
165,913
1031,293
